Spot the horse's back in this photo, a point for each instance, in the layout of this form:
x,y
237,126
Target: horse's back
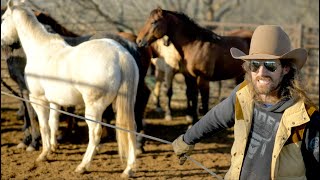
x,y
91,67
128,36
99,58
101,51
241,43
213,61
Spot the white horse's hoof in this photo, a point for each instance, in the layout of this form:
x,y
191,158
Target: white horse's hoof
x,y
80,170
41,158
30,149
54,148
189,119
127,176
168,118
21,145
139,151
98,149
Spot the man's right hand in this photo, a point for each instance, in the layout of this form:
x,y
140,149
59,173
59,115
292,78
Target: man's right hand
x,y
181,149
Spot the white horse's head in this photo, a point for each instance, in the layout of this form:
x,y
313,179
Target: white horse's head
x,y
9,33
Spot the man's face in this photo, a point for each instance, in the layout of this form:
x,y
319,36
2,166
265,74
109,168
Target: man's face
x,y
267,75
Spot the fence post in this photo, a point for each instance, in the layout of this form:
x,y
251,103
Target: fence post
x,y
299,35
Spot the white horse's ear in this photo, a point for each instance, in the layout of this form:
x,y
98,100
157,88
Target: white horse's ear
x,y
9,4
12,3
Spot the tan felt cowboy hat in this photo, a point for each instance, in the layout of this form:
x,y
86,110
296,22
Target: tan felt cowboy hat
x,y
271,42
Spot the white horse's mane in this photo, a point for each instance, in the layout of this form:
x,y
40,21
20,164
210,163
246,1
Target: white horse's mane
x,y
30,22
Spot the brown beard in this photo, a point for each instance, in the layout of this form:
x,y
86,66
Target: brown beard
x,y
264,91
256,95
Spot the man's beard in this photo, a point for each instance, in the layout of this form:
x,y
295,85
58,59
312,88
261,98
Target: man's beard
x,y
268,90
265,89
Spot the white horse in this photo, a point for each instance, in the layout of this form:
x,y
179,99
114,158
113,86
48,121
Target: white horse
x,y
95,73
166,66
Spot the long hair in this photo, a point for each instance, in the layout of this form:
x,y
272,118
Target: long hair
x,y
291,86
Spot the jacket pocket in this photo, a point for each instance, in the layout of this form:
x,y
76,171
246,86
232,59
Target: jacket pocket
x,y
291,164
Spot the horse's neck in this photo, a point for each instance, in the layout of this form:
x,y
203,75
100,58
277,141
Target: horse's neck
x,y
33,36
179,36
178,42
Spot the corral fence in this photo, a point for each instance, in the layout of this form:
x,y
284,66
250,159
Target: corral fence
x,y
300,35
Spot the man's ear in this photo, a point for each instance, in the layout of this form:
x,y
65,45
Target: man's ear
x,y
286,70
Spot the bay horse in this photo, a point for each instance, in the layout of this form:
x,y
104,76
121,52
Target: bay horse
x,y
166,60
204,53
167,63
94,73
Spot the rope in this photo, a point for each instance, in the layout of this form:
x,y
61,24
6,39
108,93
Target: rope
x,y
115,127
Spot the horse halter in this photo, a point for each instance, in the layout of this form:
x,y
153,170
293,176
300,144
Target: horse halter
x,y
271,66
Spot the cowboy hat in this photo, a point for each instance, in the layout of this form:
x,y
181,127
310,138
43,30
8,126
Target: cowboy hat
x,y
271,42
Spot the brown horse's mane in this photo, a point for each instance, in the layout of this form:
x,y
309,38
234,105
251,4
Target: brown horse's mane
x,y
44,18
197,31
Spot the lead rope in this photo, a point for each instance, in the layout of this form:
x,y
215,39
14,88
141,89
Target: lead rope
x,y
115,127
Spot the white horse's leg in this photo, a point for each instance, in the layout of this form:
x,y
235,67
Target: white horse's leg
x,y
54,125
157,88
43,116
169,74
131,158
35,130
95,130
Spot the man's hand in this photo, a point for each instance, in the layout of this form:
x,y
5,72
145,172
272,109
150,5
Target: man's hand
x,y
181,148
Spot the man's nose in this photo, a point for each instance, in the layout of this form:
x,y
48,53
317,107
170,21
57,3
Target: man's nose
x,y
262,70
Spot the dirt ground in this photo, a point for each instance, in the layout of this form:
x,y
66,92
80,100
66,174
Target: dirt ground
x,y
158,162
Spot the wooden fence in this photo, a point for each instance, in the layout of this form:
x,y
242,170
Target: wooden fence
x,y
300,35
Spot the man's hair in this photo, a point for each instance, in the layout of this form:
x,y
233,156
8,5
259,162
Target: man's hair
x,y
291,85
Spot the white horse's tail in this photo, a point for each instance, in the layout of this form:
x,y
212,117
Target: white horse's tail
x,y
125,106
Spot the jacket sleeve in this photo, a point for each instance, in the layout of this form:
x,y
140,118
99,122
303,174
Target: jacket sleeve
x,y
218,118
310,147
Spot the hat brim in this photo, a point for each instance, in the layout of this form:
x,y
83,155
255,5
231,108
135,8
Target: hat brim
x,y
298,56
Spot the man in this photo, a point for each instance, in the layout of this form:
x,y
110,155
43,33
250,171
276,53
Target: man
x,y
276,126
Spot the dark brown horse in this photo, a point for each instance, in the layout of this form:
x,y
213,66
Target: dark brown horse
x,y
204,53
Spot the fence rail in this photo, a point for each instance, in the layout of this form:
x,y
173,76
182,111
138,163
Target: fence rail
x,y
300,35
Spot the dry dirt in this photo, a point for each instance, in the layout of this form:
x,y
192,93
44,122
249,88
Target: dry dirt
x,y
158,162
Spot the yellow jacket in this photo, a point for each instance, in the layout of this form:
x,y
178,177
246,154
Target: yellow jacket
x,y
287,160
